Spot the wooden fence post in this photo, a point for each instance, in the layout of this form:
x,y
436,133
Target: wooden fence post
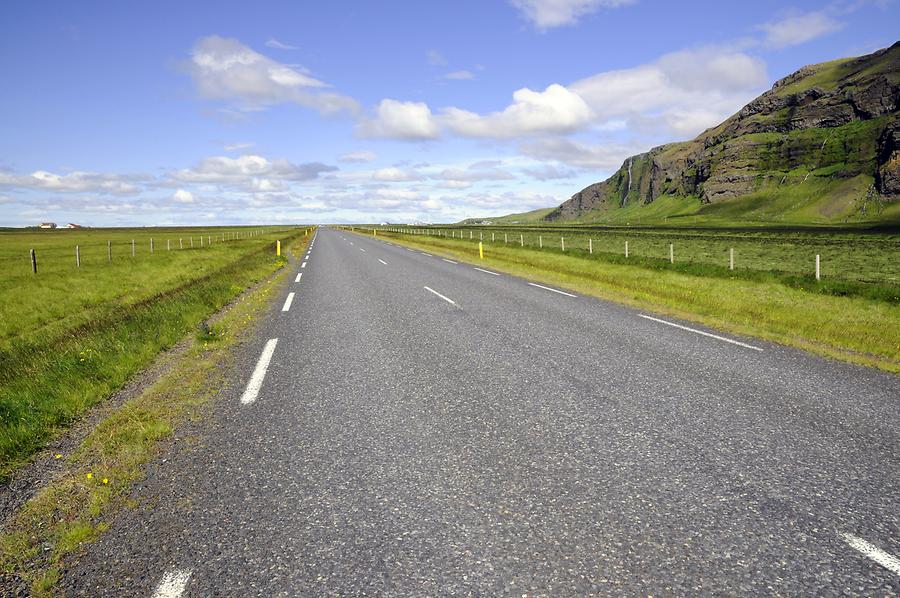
x,y
77,256
33,262
109,251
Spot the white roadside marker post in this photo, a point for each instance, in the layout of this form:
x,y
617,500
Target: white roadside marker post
x,y
818,272
671,253
591,246
626,248
731,258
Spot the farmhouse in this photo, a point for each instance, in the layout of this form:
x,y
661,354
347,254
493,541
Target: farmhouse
x,y
47,225
73,225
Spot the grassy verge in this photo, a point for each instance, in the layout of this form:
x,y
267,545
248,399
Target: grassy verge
x,y
854,329
47,383
79,505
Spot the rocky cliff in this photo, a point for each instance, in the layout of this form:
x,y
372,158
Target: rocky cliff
x,y
829,131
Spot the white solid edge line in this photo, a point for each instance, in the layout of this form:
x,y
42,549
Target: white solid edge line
x,y
259,372
287,302
382,261
303,265
540,286
888,561
449,261
173,584
299,274
486,271
715,336
428,254
447,299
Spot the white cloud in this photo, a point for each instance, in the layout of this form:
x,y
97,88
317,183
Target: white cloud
x,y
549,172
546,14
607,157
479,171
554,110
74,182
684,91
182,196
400,120
274,43
250,173
460,76
396,175
796,29
239,145
435,58
225,69
360,156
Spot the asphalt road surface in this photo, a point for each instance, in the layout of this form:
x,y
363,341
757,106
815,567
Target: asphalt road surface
x,y
407,425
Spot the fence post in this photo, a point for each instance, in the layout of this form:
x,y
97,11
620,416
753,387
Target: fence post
x,y
590,246
109,251
562,243
492,237
33,262
541,241
626,248
180,243
671,253
505,237
818,272
132,248
480,235
168,245
77,256
201,240
192,242
209,240
731,258
151,245
470,234
522,240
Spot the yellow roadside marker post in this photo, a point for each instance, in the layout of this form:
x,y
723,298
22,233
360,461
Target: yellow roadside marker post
x,y
480,249
374,232
278,248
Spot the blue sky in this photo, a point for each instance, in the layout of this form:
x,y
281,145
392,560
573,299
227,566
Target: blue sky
x,y
119,113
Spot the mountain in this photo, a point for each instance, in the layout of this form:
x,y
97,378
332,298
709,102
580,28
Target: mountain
x,y
822,146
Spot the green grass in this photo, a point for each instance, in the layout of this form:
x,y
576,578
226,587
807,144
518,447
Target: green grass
x,y
79,505
847,256
858,329
70,337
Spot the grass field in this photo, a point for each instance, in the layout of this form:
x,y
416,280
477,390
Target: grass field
x,y
71,336
844,255
847,326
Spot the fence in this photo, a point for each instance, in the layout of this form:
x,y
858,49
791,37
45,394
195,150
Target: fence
x,y
866,258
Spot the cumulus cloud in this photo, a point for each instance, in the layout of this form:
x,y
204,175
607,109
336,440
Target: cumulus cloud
x,y
479,171
182,196
396,175
549,172
546,14
796,29
74,182
225,69
607,157
250,173
687,91
394,119
554,110
360,156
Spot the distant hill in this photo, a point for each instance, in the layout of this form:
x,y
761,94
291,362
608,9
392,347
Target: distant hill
x,y
821,147
521,218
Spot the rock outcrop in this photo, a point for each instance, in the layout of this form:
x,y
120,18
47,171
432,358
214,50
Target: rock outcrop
x,y
837,120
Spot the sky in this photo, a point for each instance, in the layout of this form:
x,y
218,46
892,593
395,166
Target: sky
x,y
224,113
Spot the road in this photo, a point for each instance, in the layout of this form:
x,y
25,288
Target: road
x,y
408,425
